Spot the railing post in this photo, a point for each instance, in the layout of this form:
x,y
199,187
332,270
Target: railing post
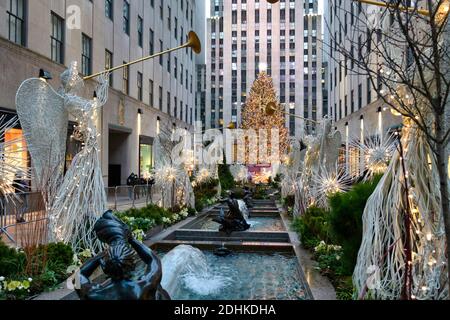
x,y
133,193
115,198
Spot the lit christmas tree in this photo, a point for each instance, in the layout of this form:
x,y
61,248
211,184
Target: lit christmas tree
x,y
262,113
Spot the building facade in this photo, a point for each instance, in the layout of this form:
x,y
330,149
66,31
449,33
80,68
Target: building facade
x,y
247,37
354,104
98,35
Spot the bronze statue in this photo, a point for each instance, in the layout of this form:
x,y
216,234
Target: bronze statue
x,y
118,263
233,220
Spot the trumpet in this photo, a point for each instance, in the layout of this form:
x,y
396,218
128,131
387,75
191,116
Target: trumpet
x,y
193,42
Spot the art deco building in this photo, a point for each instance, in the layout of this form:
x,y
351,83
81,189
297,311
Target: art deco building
x,y
100,34
353,102
246,37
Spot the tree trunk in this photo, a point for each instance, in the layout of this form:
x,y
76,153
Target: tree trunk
x,y
441,158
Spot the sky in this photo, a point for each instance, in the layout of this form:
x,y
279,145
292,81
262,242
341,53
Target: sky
x,y
208,3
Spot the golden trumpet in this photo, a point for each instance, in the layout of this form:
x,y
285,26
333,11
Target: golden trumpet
x,y
193,42
272,107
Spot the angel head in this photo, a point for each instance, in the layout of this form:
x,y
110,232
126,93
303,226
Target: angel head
x,y
70,79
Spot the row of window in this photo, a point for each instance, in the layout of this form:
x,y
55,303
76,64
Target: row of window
x,y
109,13
343,109
16,13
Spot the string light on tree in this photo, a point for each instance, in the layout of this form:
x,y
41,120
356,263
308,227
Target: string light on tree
x,y
254,115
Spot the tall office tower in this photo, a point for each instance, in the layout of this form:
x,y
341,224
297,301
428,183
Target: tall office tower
x,y
353,102
100,34
247,37
314,70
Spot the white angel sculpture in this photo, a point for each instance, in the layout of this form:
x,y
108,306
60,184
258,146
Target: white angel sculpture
x,y
79,196
171,179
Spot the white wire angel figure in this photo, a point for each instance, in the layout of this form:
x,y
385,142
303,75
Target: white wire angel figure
x,y
80,198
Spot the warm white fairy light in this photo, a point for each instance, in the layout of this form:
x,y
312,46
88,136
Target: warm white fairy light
x,y
10,165
203,176
377,153
328,183
239,172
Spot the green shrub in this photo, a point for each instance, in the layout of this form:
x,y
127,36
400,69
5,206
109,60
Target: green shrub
x,y
58,257
226,178
192,212
52,261
312,227
238,193
60,252
260,192
345,220
12,262
344,288
289,201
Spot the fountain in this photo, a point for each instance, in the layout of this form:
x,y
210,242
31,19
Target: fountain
x,y
118,264
235,218
187,267
191,274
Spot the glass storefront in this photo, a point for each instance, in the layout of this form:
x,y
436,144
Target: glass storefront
x,y
17,152
145,157
16,146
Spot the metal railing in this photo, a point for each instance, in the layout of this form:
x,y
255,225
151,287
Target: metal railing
x,y
126,197
27,208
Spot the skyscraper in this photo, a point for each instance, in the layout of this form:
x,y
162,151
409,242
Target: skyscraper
x,y
247,37
353,102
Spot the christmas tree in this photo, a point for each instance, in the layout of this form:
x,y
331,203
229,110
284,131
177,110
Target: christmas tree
x,y
255,116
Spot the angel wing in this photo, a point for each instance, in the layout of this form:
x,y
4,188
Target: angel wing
x,y
44,120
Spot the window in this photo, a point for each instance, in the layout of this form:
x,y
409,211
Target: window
x,y
160,49
139,85
125,79
175,107
175,68
109,65
359,96
109,9
160,96
126,17
86,60
175,32
151,93
152,42
169,18
181,74
168,104
145,159
16,21
57,39
168,62
140,29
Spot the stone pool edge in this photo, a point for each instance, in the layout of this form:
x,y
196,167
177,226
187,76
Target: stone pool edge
x,y
320,287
